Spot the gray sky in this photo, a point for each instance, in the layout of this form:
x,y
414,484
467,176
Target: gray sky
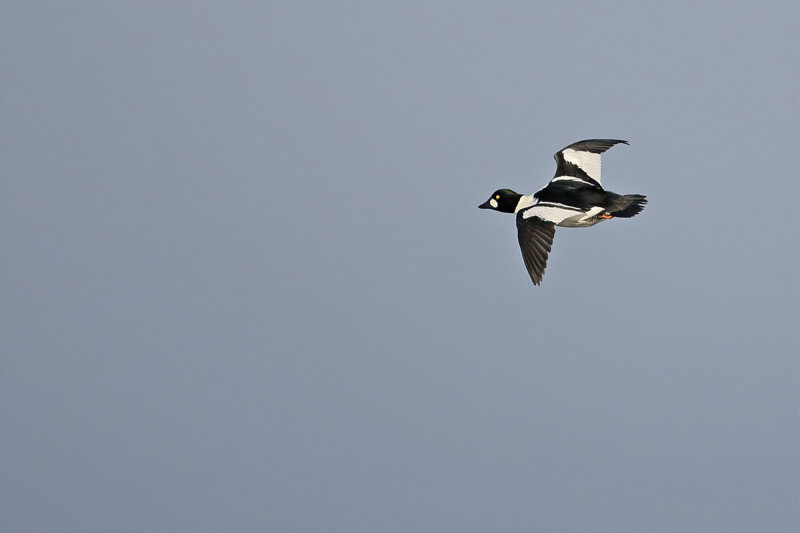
x,y
245,285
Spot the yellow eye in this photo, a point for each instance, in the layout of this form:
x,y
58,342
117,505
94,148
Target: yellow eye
x,y
496,196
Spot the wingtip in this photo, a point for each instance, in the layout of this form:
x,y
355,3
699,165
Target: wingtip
x,y
617,141
597,146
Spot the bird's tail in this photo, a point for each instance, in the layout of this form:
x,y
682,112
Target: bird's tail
x,y
627,205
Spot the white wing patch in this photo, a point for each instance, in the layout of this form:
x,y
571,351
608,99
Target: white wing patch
x,y
572,178
589,162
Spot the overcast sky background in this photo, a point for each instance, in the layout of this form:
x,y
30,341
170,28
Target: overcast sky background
x,y
245,285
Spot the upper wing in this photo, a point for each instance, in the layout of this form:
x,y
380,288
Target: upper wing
x,y
580,161
535,240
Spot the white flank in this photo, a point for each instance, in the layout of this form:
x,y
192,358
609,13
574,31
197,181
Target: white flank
x,y
565,206
550,212
586,161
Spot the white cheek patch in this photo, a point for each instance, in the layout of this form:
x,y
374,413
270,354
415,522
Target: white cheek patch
x,y
493,203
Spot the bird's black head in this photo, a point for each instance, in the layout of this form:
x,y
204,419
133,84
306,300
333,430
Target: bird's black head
x,y
503,200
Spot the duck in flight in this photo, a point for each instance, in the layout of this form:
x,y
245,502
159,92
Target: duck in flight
x,y
574,198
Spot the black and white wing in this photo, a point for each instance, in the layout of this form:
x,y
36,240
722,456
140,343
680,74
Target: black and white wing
x,y
580,161
535,240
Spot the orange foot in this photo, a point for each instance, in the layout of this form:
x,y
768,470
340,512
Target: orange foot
x,y
606,216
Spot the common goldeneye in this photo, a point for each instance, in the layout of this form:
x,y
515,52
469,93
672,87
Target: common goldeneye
x,y
574,198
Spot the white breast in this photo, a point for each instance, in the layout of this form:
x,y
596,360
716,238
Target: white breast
x,y
525,201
